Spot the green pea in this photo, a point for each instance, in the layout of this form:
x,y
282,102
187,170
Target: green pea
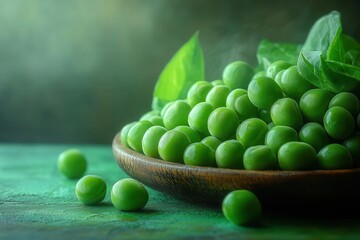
x,y
198,117
270,125
265,115
129,195
124,133
293,84
191,133
198,92
295,156
211,142
314,103
229,154
261,157
232,97
149,115
263,92
150,141
242,207
90,189
348,101
278,77
314,134
136,133
286,112
251,132
237,75
339,123
172,145
222,123
176,114
276,67
279,135
334,156
259,74
156,120
217,96
199,154
217,82
72,163
245,109
163,110
353,145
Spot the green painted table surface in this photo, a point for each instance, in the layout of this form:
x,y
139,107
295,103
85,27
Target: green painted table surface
x,y
36,202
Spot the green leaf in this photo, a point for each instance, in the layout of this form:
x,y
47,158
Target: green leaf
x,y
185,68
269,52
345,69
325,36
316,69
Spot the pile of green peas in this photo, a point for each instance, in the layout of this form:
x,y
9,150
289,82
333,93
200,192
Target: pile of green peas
x,y
267,120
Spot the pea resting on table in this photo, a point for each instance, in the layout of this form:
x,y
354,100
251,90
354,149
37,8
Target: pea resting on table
x,y
72,163
242,207
90,189
129,195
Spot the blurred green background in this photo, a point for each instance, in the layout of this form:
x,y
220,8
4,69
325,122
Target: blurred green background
x,y
75,71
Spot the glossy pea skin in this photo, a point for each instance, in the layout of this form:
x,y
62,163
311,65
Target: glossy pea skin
x,y
353,145
198,117
339,123
198,92
232,97
242,207
222,123
150,141
259,74
245,109
163,110
276,67
293,84
297,156
172,145
199,154
279,135
229,154
278,77
217,96
90,189
237,75
314,103
176,114
251,132
124,133
136,133
156,120
261,157
347,100
72,163
129,195
211,142
191,133
286,112
314,134
335,156
217,82
263,92
149,115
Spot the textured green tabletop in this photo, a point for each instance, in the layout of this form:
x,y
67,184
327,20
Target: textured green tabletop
x,y
36,202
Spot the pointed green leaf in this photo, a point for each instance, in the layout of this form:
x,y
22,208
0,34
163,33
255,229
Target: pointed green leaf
x,y
185,68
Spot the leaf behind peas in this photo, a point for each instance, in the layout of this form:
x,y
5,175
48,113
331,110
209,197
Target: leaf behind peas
x,y
326,36
185,68
269,52
314,67
344,68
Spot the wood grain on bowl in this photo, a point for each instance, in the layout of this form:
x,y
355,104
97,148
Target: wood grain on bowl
x,y
210,185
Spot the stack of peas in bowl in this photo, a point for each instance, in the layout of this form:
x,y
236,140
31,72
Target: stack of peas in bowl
x,y
269,120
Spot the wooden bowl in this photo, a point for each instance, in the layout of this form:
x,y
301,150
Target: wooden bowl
x,y
210,185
